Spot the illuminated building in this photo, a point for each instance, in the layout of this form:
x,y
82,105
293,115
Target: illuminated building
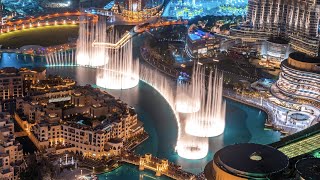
x,y
85,120
247,161
11,155
138,9
188,9
15,83
201,44
275,49
11,87
297,20
1,13
299,78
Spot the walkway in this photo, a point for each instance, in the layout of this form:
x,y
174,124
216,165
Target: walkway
x,y
137,30
159,166
48,20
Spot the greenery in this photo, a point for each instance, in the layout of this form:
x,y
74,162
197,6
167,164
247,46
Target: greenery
x,y
42,169
43,36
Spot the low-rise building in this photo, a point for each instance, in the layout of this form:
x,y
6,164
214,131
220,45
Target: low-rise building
x,y
89,122
11,153
16,83
201,44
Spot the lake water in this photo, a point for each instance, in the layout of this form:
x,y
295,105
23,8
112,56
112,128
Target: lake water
x,y
243,123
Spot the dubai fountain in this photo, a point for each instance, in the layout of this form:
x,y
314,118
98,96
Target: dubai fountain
x,y
189,147
122,71
61,58
116,67
209,121
88,55
188,94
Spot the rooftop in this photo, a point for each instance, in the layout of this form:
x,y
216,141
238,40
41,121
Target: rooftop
x,y
199,34
253,160
304,58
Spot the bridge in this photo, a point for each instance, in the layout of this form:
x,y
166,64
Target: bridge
x,y
159,166
301,143
116,45
136,30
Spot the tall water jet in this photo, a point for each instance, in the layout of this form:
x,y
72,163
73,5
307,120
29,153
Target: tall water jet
x,y
163,85
61,58
122,71
188,95
187,146
88,55
192,147
210,120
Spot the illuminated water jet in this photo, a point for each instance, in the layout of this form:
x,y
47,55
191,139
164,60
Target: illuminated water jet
x,y
187,146
163,85
87,55
210,120
61,58
122,71
188,94
192,147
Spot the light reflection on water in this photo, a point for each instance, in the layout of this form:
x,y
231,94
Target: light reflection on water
x,y
243,123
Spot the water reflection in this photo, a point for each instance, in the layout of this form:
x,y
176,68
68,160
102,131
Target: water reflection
x,y
243,123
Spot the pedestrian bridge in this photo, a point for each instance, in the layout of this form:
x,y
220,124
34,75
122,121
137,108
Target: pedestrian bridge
x,y
136,30
159,166
124,40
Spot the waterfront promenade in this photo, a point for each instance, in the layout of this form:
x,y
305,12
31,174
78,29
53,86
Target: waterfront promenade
x,y
156,63
159,166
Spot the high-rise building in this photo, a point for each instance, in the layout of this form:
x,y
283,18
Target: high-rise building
x,y
296,20
138,9
1,13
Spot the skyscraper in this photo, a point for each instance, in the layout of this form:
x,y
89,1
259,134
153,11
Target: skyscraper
x,y
297,20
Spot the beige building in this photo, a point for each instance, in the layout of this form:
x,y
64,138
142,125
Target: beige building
x,y
11,154
90,122
15,83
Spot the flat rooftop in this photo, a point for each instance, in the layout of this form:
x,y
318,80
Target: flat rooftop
x,y
304,58
253,160
199,34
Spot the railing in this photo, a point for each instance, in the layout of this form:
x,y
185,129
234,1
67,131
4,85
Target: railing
x,y
173,171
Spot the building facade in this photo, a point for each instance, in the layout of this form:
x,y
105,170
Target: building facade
x,y
299,78
137,9
11,153
86,121
16,83
297,20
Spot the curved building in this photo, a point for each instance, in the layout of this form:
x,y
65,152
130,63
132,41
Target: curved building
x,y
297,20
308,168
275,49
246,161
299,78
138,9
